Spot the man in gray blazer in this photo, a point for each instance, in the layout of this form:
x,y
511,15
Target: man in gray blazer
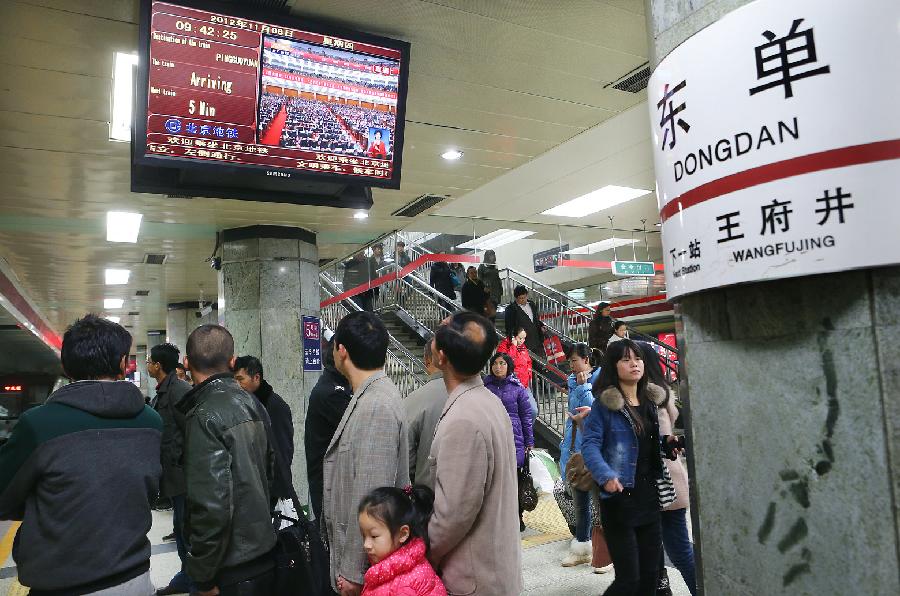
x,y
423,409
474,530
369,448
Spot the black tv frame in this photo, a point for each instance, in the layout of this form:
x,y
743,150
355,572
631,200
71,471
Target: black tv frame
x,y
180,176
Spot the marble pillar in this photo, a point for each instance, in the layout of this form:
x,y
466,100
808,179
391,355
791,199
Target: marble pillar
x,y
182,318
269,279
793,416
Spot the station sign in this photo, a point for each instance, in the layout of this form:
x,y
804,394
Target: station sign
x,y
777,143
311,327
548,259
633,268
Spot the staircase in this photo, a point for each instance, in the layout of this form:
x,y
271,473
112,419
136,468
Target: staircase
x,y
412,310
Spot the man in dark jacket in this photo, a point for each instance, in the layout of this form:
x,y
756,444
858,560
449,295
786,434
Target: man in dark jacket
x,y
327,403
161,365
248,372
81,472
229,468
524,314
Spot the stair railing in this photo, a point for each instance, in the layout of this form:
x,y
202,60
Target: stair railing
x,y
405,370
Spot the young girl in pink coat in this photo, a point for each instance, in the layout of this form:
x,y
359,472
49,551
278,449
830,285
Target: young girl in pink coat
x,y
394,526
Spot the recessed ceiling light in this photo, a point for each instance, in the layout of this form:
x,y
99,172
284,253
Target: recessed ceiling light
x,y
595,247
496,239
595,201
111,303
117,277
452,154
122,226
120,114
113,319
360,215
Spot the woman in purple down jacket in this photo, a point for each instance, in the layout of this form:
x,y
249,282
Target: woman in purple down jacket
x,y
514,396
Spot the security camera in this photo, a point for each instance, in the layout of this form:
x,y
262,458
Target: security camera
x,y
216,263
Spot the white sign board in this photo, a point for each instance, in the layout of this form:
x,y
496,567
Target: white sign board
x,y
777,143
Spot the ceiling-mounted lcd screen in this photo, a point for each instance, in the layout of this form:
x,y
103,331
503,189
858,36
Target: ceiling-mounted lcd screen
x,y
271,96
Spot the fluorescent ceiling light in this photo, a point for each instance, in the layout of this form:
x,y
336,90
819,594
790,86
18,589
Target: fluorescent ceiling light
x,y
495,239
452,154
122,226
595,247
360,215
113,319
117,277
122,91
595,201
110,303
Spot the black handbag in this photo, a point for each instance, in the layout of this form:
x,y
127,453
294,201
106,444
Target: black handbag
x,y
528,496
302,564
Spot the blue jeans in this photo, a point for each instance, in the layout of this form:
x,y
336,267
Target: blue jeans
x,y
180,579
582,514
678,545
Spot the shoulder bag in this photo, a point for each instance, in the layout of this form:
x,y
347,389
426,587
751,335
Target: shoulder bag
x,y
577,474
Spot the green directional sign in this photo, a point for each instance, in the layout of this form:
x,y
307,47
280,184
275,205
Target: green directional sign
x,y
632,268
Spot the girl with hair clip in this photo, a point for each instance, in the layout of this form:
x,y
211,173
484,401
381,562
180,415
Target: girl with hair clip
x,y
623,449
394,526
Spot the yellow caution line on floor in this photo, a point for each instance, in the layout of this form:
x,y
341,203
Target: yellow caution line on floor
x,y
7,543
541,539
17,589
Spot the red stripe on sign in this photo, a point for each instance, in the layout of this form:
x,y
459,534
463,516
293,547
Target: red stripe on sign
x,y
638,301
645,310
598,264
805,164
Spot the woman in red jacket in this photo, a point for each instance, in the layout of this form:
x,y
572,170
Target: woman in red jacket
x,y
518,351
394,525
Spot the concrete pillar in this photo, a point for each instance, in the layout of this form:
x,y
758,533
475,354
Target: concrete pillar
x,y
182,318
269,279
140,359
793,417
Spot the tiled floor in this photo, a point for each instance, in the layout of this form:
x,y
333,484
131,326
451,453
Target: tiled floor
x,y
544,545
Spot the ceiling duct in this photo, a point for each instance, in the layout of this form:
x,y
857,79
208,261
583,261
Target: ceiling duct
x,y
419,205
142,293
133,313
633,81
151,259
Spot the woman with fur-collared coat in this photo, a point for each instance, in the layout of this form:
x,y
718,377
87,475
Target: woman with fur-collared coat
x,y
623,450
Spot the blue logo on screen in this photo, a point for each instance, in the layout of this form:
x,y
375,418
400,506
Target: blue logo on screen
x,y
173,125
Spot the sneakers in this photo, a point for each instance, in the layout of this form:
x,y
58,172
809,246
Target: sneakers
x,y
169,538
606,569
580,553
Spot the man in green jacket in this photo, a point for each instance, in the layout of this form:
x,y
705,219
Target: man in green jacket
x,y
81,472
229,468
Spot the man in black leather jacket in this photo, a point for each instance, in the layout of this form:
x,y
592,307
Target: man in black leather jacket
x,y
229,468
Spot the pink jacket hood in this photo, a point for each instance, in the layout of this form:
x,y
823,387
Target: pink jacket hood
x,y
406,572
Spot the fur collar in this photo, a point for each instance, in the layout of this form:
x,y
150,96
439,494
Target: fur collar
x,y
612,397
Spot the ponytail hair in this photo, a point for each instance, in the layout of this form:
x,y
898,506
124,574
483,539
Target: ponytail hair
x,y
397,507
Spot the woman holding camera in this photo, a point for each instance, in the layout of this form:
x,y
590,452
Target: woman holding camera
x,y
623,451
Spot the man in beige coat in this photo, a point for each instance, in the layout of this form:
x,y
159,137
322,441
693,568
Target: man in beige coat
x,y
368,449
474,530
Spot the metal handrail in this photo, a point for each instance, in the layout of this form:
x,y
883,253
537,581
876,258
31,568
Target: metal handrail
x,y
405,370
